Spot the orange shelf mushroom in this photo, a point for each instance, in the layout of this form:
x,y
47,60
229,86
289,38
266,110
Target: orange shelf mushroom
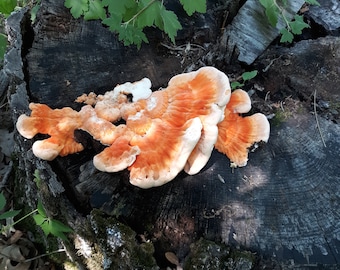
x,y
236,134
166,131
60,125
44,120
173,128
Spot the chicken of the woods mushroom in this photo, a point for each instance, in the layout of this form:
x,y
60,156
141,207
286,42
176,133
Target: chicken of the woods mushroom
x,y
164,131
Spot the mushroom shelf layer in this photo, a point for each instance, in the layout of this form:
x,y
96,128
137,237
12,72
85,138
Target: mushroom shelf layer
x,y
164,132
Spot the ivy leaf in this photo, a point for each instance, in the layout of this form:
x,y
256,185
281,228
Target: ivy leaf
x,y
96,11
170,23
191,6
78,7
286,36
7,6
298,25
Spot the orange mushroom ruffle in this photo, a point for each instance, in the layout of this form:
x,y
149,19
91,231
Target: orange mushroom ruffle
x,y
236,134
165,131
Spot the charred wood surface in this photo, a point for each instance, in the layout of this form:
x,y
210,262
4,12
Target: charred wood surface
x,y
285,202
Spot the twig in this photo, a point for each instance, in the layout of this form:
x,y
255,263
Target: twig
x,y
43,255
271,63
183,47
317,120
34,258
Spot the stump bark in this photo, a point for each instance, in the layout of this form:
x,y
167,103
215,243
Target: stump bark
x,y
284,203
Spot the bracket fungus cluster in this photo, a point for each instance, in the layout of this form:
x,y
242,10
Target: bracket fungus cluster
x,y
164,132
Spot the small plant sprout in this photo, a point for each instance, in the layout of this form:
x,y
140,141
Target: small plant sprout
x,y
7,214
246,76
275,9
37,178
49,225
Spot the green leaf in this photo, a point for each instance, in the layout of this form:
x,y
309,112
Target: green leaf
x,y
272,14
46,226
298,25
3,45
113,22
78,7
266,3
235,85
7,6
286,36
170,23
150,11
36,174
130,34
37,178
39,219
131,12
58,226
34,12
41,209
249,75
313,2
60,235
96,11
2,201
9,214
272,11
52,226
191,6
118,6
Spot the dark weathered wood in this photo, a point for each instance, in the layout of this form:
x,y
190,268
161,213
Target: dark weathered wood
x,y
284,203
307,69
327,15
85,56
250,32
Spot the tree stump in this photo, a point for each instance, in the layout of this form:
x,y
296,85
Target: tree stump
x,y
284,203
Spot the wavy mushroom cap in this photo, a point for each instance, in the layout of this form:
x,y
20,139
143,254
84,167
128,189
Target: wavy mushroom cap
x,y
59,124
202,94
173,128
236,134
100,129
215,84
